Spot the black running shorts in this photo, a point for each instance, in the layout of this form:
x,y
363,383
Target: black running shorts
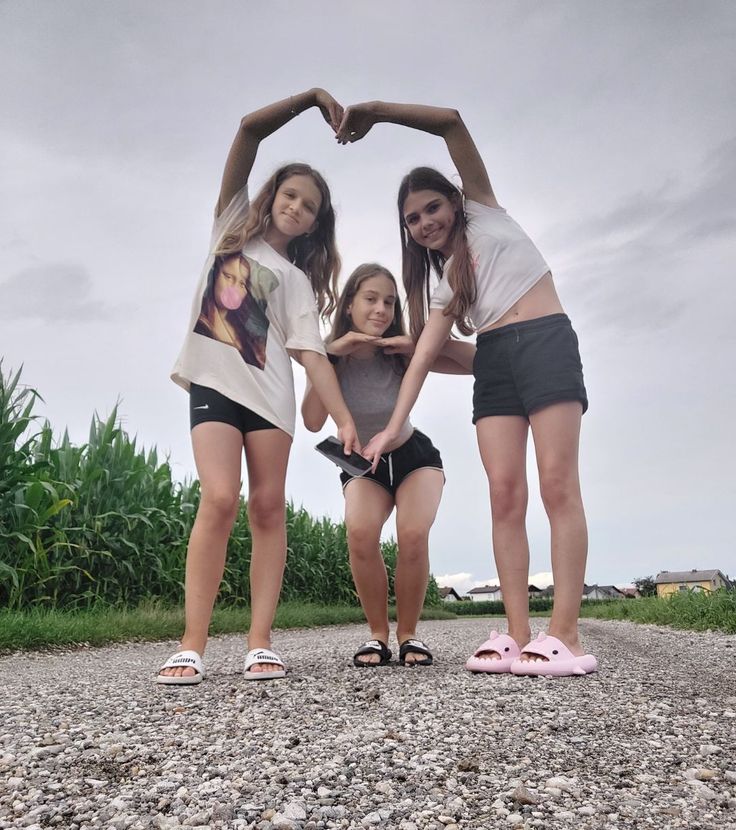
x,y
416,453
206,404
525,366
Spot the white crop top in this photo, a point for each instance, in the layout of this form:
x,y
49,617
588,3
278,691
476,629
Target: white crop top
x,y
507,264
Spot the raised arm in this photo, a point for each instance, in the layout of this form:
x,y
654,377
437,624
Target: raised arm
x,y
260,124
431,341
358,119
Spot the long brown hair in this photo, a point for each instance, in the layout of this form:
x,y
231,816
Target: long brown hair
x,y
417,261
315,253
343,323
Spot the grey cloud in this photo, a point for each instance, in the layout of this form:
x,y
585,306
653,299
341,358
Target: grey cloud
x,y
632,265
54,292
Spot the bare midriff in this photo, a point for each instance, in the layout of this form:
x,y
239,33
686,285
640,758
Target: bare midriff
x,y
539,301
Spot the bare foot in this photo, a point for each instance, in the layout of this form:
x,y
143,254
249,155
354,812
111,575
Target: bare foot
x,y
271,666
183,671
372,659
411,656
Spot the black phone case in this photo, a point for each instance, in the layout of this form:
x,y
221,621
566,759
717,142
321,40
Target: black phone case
x,y
353,464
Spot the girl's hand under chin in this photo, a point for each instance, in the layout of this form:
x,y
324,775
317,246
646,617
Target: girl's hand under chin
x,y
400,344
349,342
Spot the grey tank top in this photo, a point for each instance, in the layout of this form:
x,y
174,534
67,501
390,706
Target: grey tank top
x,y
370,388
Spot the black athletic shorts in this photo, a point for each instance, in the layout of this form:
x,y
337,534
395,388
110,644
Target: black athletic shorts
x,y
525,366
206,404
416,453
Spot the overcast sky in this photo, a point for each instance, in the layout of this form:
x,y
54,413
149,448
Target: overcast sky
x,y
609,133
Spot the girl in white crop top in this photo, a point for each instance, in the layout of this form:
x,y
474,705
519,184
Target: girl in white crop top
x,y
493,279
271,269
371,351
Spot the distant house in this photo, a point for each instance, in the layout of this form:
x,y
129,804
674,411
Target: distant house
x,y
493,592
449,595
485,593
602,592
670,582
630,591
589,592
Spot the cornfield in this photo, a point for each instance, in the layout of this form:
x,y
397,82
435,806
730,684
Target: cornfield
x,y
105,523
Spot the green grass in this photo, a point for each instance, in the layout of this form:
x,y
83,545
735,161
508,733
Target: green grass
x,y
692,611
37,629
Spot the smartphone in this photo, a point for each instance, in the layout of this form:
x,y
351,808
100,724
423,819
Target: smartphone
x,y
353,464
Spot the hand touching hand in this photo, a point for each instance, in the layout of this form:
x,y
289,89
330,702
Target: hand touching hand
x,y
356,122
349,342
399,344
331,110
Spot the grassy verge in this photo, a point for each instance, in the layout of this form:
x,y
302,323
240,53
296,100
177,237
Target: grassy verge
x,y
25,630
690,611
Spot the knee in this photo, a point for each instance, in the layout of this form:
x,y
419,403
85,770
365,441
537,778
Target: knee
x,y
413,543
220,504
266,510
508,500
363,540
559,491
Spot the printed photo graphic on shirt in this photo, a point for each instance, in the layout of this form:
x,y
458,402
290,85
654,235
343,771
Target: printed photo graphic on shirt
x,y
234,306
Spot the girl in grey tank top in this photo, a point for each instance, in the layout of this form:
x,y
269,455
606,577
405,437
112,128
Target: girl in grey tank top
x,y
370,350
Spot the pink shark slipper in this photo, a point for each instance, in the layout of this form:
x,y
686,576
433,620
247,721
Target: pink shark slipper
x,y
502,645
560,662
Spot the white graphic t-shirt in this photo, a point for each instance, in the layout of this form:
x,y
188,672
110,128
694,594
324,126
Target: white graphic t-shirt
x,y
249,309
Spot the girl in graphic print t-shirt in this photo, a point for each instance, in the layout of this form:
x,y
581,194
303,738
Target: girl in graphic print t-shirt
x,y
272,268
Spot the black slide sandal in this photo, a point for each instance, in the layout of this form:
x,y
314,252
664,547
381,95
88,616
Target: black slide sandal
x,y
414,647
372,647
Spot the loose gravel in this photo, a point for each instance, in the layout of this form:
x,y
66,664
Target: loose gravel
x,y
87,740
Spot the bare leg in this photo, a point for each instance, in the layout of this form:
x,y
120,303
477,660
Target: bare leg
x,y
502,441
417,500
367,506
267,456
217,454
556,432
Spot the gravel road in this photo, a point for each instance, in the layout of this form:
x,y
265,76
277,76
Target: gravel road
x,y
88,741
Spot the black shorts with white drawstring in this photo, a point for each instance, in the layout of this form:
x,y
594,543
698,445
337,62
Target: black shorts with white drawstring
x,y
417,453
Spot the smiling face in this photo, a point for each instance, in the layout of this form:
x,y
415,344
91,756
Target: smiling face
x,y
374,305
430,219
295,207
231,283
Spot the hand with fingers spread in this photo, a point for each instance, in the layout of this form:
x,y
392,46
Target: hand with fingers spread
x,y
356,122
399,344
331,110
349,342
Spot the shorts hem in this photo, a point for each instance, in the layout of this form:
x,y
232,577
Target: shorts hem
x,y
426,467
372,480
558,397
498,411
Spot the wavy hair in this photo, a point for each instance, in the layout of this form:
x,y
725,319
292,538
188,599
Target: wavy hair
x,y
417,262
315,253
343,323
